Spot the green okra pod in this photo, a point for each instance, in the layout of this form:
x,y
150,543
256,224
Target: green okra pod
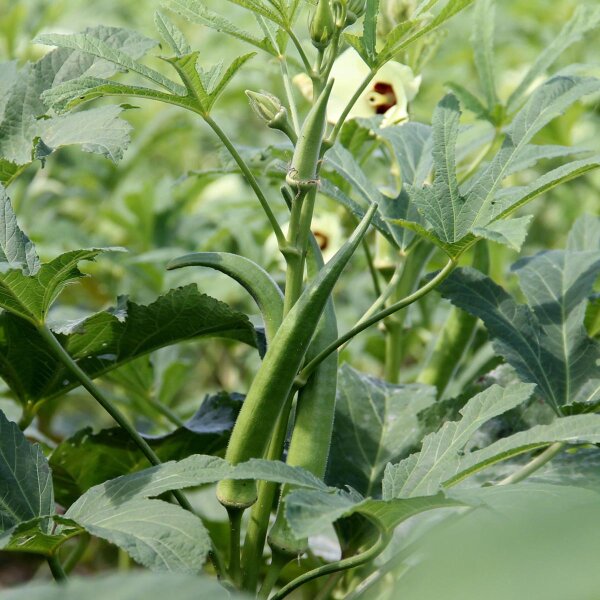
x,y
275,377
255,280
302,174
311,436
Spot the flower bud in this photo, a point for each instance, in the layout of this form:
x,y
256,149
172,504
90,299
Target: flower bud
x,y
270,109
355,9
322,25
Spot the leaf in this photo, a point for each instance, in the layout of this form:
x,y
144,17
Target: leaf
x,y
109,339
375,423
370,30
41,535
442,202
89,43
221,84
468,100
124,586
510,233
195,12
309,512
30,296
482,40
579,429
25,479
423,473
171,34
585,234
156,534
546,343
22,104
16,249
87,459
584,20
545,104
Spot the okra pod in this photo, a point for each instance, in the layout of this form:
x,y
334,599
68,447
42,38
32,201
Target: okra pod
x,y
275,377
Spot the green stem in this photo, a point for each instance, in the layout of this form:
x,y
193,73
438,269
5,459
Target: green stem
x,y
249,178
360,327
341,565
300,49
235,530
371,265
534,464
289,92
77,552
166,412
72,367
338,126
56,569
277,563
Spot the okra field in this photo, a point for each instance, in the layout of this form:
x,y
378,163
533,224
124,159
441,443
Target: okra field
x,y
299,299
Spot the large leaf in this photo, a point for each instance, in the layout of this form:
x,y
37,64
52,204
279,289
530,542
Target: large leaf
x,y
375,423
423,473
109,339
99,131
130,586
25,479
483,45
546,342
87,459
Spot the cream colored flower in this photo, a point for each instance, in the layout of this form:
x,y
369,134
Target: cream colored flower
x,y
392,88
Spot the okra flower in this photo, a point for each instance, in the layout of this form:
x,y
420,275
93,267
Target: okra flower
x,y
392,88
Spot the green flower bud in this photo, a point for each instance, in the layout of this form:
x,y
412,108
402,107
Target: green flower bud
x,y
355,9
322,25
270,109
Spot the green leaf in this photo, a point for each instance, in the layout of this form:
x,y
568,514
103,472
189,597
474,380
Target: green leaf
x,y
545,104
109,339
510,233
469,100
16,249
375,423
156,534
442,202
30,296
25,479
195,12
584,20
423,473
585,234
579,429
22,104
89,43
370,30
545,342
87,459
309,512
221,84
483,45
130,586
41,535
171,34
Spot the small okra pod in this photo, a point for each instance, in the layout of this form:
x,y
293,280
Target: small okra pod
x,y
302,174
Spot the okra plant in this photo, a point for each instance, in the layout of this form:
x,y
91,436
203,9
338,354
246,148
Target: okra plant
x,y
505,393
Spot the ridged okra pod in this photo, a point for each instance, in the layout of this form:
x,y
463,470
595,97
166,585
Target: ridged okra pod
x,y
311,436
275,377
302,174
